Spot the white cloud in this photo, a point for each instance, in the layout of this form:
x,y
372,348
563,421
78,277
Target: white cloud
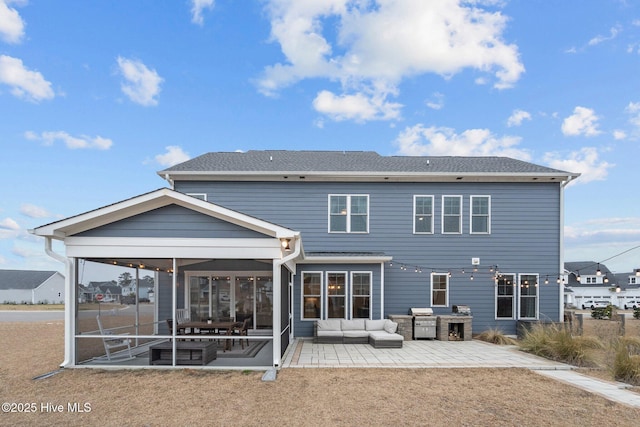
x,y
141,84
517,117
356,107
436,102
11,24
72,142
24,83
619,135
172,156
375,46
583,121
197,7
441,141
613,33
633,110
33,211
586,161
9,229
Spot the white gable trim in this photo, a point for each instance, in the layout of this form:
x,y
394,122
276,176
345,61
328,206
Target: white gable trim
x,y
142,247
154,200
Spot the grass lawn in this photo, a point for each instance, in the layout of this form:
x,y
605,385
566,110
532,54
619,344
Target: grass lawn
x,y
299,397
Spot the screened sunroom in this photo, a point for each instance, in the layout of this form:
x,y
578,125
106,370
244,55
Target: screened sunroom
x,y
168,280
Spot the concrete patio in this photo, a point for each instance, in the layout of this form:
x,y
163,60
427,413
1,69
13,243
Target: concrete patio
x,y
415,354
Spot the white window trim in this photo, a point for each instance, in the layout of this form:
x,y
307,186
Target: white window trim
x,y
513,299
302,295
325,301
471,215
348,214
414,214
202,196
537,296
446,275
459,215
351,295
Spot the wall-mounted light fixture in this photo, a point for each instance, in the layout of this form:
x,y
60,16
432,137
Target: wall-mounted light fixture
x,y
286,244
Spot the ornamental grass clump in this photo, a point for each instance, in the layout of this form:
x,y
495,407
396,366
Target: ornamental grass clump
x,y
626,363
496,336
553,341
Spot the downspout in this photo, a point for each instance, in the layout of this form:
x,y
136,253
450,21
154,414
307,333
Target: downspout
x,y
277,298
169,180
69,329
561,248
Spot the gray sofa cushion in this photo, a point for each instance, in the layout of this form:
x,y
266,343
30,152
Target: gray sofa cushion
x,y
352,325
355,334
328,325
375,325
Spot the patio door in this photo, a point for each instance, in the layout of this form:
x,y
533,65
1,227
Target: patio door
x,y
210,298
230,296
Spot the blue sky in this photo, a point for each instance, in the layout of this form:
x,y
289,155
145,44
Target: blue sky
x,y
97,96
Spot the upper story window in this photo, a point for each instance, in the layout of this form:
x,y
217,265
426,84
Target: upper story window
x,y
348,213
480,214
423,214
451,214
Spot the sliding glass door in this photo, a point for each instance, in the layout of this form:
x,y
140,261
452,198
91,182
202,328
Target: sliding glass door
x,y
231,296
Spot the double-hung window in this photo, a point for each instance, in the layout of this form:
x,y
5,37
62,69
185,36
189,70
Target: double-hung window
x,y
451,214
348,213
423,214
336,295
505,298
480,215
528,296
360,295
312,295
439,290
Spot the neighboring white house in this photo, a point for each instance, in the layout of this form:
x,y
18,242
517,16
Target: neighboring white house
x,y
589,280
31,287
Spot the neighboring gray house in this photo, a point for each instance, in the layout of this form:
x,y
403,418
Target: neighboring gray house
x,y
590,280
31,287
289,237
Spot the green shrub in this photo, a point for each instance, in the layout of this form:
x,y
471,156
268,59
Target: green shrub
x,y
602,312
496,336
626,364
636,313
552,341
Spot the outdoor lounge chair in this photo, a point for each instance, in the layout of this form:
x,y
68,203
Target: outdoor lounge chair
x,y
118,341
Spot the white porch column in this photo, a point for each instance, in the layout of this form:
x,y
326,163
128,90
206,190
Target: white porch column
x,y
277,292
70,305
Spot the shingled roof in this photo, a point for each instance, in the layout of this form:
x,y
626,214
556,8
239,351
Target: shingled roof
x,y
23,279
274,162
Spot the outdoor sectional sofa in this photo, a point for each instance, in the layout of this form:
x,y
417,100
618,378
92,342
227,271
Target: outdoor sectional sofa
x,y
379,333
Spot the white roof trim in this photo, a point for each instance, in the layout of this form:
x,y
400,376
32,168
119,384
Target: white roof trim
x,y
154,200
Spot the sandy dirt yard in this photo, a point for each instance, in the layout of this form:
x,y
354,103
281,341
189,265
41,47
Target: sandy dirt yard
x,y
299,397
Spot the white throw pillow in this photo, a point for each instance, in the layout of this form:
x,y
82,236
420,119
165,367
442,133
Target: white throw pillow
x,y
390,326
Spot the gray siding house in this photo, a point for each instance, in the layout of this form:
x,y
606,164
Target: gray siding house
x,y
31,287
289,237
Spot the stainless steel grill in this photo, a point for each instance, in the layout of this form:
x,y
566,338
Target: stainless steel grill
x,y
424,323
